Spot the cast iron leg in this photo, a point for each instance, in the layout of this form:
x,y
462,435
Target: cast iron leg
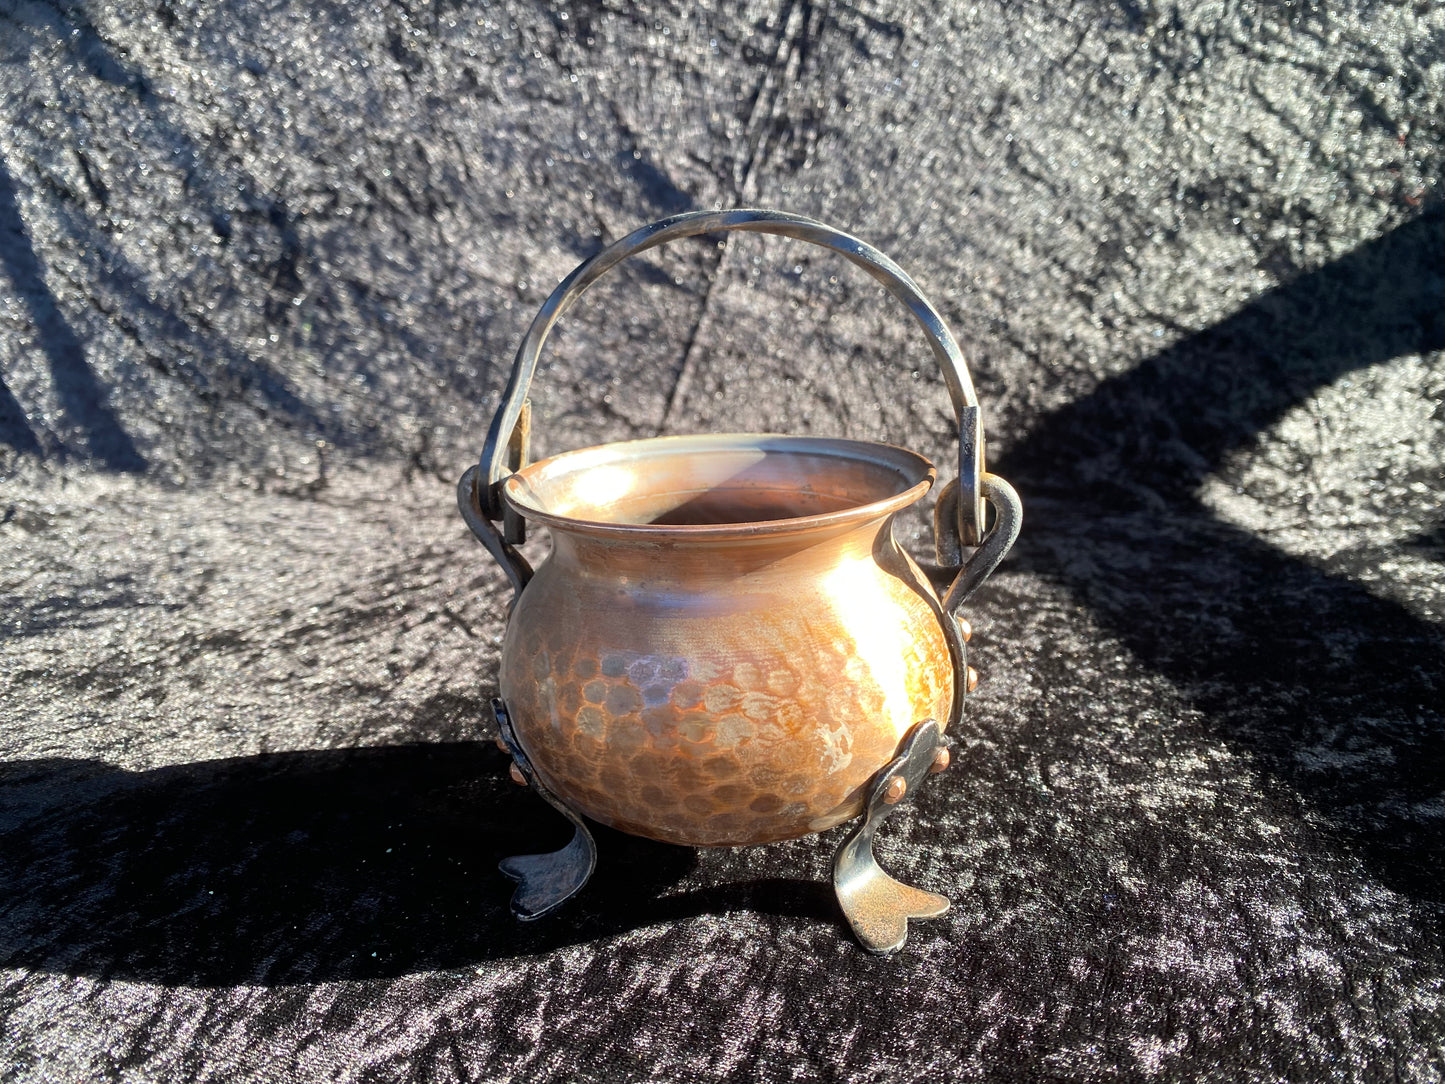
x,y
878,907
544,881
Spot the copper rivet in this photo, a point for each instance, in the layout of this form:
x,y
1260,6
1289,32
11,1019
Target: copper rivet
x,y
966,630
972,679
517,776
941,760
897,788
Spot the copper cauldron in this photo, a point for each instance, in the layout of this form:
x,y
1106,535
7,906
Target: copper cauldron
x,y
726,645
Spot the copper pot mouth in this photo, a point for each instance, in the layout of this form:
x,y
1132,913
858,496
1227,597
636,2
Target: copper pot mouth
x,y
719,486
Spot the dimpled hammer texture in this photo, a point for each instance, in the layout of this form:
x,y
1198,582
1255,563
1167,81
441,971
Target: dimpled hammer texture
x,y
719,720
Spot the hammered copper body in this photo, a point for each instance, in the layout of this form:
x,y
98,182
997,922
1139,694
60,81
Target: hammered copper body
x,y
726,643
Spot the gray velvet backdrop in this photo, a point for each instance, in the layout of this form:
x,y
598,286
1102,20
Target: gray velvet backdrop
x,y
262,270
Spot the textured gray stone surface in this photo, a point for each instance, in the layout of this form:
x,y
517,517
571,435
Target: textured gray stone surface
x,y
262,268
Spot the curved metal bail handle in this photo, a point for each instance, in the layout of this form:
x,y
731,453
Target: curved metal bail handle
x,y
495,466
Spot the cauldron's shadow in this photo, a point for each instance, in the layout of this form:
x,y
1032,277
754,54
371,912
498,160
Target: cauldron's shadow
x,y
313,866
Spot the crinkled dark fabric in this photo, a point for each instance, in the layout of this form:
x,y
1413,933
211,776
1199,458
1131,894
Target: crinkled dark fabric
x,y
262,268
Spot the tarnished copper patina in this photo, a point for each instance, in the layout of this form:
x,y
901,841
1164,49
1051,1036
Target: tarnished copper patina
x,y
726,644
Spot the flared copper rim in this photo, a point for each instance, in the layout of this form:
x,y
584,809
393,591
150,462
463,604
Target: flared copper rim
x,y
521,486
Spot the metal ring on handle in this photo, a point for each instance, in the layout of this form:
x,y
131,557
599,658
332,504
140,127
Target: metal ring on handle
x,y
495,465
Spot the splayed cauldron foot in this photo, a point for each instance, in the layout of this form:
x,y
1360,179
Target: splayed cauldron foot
x,y
544,881
878,907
